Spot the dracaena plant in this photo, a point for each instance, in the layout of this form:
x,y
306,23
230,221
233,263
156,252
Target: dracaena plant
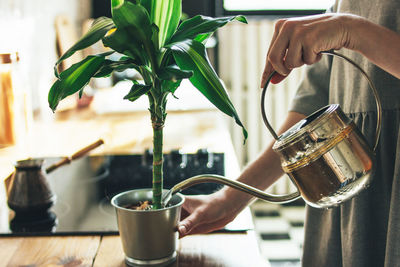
x,y
151,38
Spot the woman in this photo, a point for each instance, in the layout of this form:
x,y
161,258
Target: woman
x,y
364,231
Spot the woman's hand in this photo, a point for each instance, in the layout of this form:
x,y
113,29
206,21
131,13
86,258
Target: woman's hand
x,y
299,41
207,213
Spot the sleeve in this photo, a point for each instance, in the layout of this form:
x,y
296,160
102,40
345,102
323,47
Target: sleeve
x,y
313,91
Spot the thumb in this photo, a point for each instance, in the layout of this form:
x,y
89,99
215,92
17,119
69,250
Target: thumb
x,y
186,225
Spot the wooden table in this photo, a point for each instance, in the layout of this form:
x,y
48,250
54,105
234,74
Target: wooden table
x,y
123,133
219,249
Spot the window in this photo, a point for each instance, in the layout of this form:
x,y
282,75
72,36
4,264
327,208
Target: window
x,y
274,7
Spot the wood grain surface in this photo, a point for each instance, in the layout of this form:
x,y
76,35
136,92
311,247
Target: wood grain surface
x,y
211,250
49,251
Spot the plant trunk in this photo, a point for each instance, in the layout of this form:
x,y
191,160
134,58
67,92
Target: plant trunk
x,y
158,126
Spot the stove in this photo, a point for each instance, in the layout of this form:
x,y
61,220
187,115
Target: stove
x,y
84,188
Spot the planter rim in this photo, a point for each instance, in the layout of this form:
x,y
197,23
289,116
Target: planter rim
x,y
113,199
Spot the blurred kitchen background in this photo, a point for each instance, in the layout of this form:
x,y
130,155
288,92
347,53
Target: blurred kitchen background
x,y
42,29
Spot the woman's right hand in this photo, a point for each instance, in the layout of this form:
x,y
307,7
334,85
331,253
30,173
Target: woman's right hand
x,y
299,41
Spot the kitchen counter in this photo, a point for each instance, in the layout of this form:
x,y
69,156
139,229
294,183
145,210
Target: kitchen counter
x,y
124,134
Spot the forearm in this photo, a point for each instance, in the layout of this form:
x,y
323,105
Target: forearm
x,y
379,44
265,170
209,213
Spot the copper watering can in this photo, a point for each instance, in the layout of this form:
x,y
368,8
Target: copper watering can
x,y
325,156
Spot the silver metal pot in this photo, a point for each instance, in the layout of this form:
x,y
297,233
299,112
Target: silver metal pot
x,y
149,237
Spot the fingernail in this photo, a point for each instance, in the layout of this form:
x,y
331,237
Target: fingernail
x,y
182,229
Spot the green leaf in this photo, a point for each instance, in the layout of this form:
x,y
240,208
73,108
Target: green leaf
x,y
116,3
203,37
137,91
98,30
191,55
170,86
174,73
192,27
147,5
155,36
121,42
74,79
110,65
137,28
166,15
135,19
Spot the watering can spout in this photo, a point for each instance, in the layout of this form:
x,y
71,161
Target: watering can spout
x,y
212,178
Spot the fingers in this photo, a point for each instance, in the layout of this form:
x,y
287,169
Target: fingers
x,y
277,78
311,57
190,214
196,224
266,73
277,53
203,215
205,228
186,226
294,55
268,69
299,41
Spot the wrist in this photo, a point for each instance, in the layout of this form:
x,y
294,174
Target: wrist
x,y
354,28
237,200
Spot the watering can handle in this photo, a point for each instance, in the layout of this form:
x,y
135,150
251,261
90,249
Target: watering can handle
x,y
375,92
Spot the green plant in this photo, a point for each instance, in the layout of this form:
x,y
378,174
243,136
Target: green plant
x,y
164,50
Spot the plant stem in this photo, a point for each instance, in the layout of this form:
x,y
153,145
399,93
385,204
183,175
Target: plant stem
x,y
158,125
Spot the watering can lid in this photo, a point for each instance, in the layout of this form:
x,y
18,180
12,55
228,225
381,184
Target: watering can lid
x,y
307,126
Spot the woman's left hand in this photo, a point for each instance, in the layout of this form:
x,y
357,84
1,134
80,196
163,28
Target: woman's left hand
x,y
207,213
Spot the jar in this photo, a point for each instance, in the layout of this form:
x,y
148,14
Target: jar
x,y
13,101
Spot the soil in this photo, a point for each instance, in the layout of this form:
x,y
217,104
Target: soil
x,y
142,205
